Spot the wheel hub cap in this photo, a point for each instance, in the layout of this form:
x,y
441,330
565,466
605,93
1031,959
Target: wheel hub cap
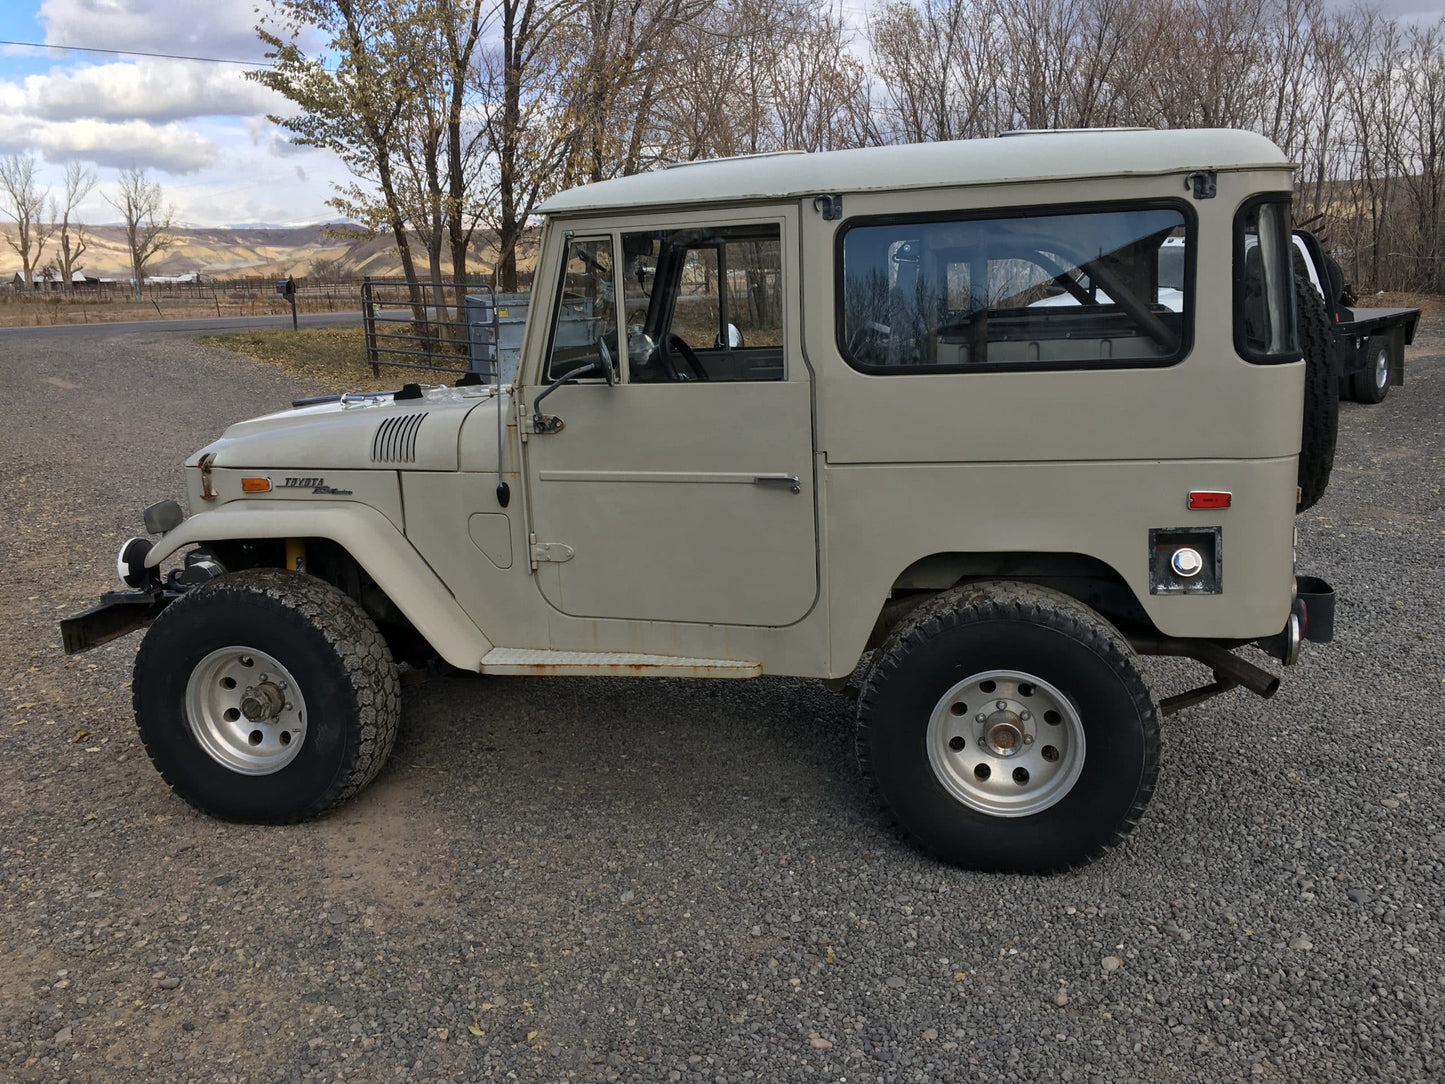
x,y
1006,743
1004,734
263,702
245,710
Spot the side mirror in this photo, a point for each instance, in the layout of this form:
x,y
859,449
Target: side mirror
x,y
604,359
602,363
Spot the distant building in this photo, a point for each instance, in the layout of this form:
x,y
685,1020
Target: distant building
x,y
50,281
195,278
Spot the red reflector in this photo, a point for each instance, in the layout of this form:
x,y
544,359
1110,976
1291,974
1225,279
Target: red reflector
x,y
1209,498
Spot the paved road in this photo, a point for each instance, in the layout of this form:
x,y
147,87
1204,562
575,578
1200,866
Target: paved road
x,y
658,880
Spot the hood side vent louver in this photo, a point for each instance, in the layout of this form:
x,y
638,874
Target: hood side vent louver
x,y
395,440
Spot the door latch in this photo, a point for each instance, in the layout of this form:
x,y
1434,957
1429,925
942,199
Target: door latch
x,y
788,480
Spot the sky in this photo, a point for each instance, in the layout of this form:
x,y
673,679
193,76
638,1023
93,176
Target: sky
x,y
198,128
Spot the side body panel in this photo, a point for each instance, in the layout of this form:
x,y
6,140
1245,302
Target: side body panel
x,y
1073,461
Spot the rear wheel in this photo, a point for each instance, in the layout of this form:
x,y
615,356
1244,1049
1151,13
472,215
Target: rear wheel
x,y
1007,728
266,696
1373,384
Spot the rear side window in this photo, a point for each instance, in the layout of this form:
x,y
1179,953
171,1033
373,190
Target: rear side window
x,y
1094,288
1264,310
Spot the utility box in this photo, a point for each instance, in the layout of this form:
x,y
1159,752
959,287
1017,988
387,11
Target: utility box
x,y
496,340
495,323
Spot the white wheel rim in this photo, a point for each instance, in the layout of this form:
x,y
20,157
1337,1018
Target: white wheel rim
x,y
1006,743
1382,366
246,710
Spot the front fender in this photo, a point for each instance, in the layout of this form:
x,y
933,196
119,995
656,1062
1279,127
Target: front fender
x,y
371,539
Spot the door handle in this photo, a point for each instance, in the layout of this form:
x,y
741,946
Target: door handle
x,y
788,480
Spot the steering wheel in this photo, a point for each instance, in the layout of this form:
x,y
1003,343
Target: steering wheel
x,y
688,355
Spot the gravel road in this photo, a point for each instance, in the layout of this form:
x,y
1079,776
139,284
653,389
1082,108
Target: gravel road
x,y
659,880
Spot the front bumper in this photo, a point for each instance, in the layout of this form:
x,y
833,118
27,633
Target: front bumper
x,y
119,612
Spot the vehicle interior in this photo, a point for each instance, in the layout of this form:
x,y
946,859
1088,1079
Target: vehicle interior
x,y
1019,291
704,304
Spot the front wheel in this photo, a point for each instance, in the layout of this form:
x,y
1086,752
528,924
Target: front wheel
x,y
266,696
1007,728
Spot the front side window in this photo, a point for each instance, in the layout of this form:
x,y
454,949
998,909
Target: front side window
x,y
704,304
1264,311
1102,288
585,323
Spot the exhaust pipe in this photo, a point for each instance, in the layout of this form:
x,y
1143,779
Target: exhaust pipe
x,y
1224,663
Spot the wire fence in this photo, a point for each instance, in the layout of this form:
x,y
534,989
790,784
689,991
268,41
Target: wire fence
x,y
108,301
433,326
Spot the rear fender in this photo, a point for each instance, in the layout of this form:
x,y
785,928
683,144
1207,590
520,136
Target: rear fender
x,y
371,539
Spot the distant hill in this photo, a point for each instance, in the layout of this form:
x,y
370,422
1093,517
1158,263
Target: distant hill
x,y
235,253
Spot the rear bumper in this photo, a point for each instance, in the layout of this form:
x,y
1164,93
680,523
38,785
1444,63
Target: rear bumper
x,y
1312,618
1316,603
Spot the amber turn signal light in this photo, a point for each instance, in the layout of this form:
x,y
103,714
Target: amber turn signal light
x,y
263,485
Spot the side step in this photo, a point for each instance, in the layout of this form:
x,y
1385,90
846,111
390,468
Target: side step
x,y
539,663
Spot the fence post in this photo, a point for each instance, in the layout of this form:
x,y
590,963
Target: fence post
x,y
368,319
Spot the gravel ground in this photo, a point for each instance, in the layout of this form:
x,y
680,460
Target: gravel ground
x,y
660,880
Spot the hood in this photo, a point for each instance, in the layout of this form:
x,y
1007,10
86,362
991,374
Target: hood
x,y
354,433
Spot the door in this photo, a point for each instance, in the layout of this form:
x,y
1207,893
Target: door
x,y
683,492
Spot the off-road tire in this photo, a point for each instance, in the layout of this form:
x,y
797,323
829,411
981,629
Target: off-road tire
x,y
1366,386
1322,401
342,667
1006,626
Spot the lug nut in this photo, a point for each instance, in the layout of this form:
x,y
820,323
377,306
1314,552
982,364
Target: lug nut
x,y
1025,716
1000,704
1028,739
980,718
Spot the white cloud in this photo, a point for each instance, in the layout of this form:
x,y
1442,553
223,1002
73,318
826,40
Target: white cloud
x,y
154,90
200,128
169,147
219,28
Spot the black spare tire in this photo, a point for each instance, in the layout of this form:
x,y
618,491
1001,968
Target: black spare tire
x,y
1322,402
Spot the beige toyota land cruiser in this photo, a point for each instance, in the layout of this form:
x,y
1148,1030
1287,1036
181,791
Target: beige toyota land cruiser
x,y
992,418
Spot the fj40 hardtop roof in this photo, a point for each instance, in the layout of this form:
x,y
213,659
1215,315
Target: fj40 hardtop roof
x,y
1014,159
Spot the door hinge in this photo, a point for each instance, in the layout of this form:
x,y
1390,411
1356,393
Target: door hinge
x,y
1204,182
555,552
829,205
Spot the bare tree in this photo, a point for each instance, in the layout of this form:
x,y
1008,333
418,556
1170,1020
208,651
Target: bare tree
x,y
25,203
1422,156
79,181
622,65
147,220
940,67
355,110
519,77
818,89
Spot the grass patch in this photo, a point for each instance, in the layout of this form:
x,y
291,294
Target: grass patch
x,y
334,356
